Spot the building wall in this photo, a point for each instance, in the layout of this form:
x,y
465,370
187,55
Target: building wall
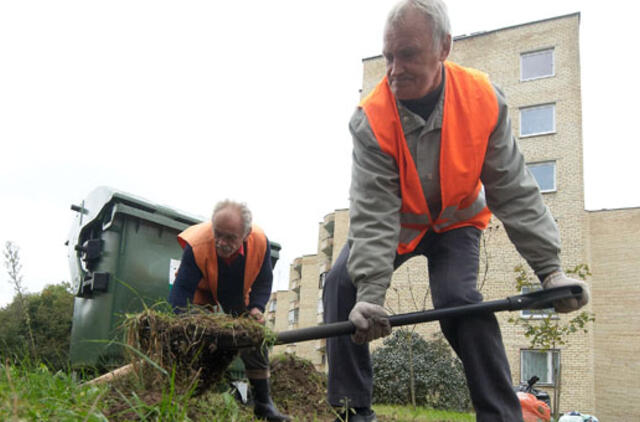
x,y
615,248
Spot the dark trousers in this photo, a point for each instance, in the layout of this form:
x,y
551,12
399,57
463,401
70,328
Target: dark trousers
x,y
256,362
453,259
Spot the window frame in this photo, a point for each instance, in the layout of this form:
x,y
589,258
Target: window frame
x,y
533,52
553,356
536,313
555,174
531,107
296,316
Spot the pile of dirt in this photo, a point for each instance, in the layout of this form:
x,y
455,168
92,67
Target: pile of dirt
x,y
299,389
198,346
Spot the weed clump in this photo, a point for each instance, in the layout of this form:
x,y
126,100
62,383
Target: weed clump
x,y
195,347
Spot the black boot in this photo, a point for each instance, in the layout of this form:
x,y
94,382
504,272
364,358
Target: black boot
x,y
264,408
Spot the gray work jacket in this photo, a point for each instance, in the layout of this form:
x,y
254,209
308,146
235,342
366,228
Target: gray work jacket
x,y
512,194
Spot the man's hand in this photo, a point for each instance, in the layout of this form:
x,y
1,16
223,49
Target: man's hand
x,y
559,279
256,314
371,322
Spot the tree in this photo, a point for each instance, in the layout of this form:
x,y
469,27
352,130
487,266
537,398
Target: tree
x,y
439,380
548,332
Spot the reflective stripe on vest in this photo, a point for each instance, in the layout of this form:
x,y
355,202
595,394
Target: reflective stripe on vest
x,y
470,114
200,238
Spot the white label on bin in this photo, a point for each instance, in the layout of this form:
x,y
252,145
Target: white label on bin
x,y
174,264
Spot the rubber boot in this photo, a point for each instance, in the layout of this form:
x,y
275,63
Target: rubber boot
x,y
264,408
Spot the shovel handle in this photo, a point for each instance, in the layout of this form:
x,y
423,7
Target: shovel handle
x,y
535,300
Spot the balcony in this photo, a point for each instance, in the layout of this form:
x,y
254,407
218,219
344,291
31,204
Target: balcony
x,y
295,285
326,246
329,224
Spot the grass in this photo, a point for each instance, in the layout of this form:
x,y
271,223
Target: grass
x,y
420,414
31,392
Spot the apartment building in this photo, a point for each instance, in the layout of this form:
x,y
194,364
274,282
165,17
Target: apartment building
x,y
537,66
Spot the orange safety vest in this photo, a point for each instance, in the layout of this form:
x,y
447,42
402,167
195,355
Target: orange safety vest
x,y
200,238
469,117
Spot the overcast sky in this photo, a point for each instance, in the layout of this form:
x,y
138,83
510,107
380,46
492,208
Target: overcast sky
x,y
185,103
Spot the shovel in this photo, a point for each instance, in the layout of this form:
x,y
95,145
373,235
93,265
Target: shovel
x,y
535,300
540,299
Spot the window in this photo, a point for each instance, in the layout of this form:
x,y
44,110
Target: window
x,y
535,313
540,363
538,120
272,305
323,276
320,307
537,64
293,316
545,175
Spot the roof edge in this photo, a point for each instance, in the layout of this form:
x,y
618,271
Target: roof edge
x,y
481,33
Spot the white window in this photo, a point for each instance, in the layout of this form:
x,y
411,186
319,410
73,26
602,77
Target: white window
x,y
320,307
540,363
272,305
535,313
293,316
538,120
323,276
545,175
537,64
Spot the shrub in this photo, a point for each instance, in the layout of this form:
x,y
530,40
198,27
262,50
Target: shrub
x,y
51,312
439,379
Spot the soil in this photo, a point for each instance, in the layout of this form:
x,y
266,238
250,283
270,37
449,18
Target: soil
x,y
298,389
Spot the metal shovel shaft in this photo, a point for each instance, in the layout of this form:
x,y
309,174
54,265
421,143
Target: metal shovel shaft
x,y
535,300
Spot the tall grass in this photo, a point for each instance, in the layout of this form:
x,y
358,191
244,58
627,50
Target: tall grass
x,y
30,392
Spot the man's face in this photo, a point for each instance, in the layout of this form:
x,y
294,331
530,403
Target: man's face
x,y
413,65
228,230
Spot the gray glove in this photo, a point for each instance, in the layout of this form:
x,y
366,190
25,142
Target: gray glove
x,y
559,279
371,322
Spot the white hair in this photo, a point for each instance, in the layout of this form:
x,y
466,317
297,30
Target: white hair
x,y
242,209
435,11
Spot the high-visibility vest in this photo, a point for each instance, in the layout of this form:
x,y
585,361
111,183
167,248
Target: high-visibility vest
x,y
201,239
469,117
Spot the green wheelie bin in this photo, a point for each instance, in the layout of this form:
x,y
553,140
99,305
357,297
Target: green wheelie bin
x,y
123,255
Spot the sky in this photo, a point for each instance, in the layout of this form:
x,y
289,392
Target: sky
x,y
185,103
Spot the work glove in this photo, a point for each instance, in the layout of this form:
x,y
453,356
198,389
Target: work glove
x,y
256,314
559,279
371,322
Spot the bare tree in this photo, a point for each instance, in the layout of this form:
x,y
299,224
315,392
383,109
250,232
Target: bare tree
x,y
14,268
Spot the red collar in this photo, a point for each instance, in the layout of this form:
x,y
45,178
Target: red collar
x,y
235,255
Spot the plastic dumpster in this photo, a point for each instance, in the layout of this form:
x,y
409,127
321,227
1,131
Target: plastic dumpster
x,y
123,255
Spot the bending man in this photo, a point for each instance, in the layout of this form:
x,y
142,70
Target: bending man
x,y
226,263
433,156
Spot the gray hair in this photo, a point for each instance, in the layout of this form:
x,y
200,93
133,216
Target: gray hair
x,y
435,11
240,207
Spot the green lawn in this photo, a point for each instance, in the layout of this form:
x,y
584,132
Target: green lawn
x,y
419,414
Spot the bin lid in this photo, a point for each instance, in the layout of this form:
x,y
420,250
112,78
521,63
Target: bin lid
x,y
92,212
